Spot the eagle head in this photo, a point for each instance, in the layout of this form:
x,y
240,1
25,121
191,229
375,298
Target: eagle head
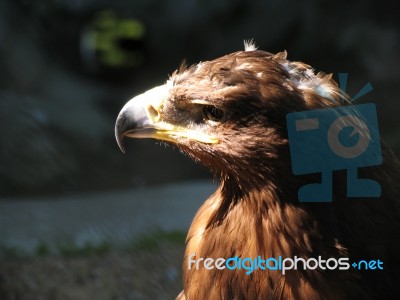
x,y
227,112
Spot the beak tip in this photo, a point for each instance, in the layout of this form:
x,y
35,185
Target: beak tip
x,y
122,148
121,145
119,136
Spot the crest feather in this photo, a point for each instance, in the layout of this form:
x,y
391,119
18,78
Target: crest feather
x,y
249,45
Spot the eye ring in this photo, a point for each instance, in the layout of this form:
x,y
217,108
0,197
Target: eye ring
x,y
213,113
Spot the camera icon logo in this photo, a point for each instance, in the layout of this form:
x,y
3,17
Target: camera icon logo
x,y
340,138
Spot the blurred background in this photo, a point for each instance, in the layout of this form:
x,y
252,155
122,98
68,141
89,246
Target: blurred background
x,y
79,220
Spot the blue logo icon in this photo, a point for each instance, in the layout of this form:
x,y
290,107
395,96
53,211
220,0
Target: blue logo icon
x,y
340,138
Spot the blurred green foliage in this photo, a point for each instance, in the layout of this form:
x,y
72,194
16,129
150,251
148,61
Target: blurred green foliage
x,y
108,32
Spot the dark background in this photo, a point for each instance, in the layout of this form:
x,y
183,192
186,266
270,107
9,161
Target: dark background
x,y
68,66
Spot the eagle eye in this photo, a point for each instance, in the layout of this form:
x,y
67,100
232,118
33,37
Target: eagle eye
x,y
213,113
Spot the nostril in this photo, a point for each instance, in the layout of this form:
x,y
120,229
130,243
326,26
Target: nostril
x,y
152,111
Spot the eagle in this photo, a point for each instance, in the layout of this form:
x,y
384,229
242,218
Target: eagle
x,y
230,114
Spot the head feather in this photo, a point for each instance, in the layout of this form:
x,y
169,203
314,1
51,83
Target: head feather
x,y
249,45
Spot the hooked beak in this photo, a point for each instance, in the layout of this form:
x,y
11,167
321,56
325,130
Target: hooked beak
x,y
141,117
